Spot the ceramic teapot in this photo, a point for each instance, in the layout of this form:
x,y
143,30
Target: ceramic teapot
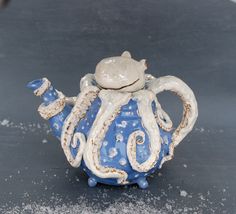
x,y
115,129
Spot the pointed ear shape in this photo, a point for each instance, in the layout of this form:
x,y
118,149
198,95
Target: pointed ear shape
x,y
126,54
144,63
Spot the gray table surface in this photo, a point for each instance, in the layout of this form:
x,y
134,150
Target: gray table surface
x,y
63,40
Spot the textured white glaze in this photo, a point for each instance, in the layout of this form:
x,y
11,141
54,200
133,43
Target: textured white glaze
x,y
121,73
148,78
162,117
111,102
71,100
52,109
87,80
46,84
144,100
116,81
190,110
78,136
82,104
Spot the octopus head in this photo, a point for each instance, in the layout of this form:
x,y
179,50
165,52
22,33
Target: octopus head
x,y
121,73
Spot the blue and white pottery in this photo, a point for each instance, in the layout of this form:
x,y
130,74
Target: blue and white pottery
x,y
115,129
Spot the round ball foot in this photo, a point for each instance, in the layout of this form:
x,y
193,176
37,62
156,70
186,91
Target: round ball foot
x,y
92,182
142,183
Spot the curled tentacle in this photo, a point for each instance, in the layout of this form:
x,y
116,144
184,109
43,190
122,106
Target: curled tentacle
x,y
45,86
111,102
52,109
78,137
190,111
82,104
162,117
87,80
144,100
148,78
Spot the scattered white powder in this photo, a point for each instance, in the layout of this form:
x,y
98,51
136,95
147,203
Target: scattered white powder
x,y
127,203
183,193
202,197
26,127
185,165
44,141
209,130
202,129
5,122
168,207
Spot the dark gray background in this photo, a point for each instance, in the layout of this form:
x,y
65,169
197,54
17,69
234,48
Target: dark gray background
x,y
63,40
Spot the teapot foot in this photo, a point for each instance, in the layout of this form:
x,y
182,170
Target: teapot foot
x,y
142,183
92,182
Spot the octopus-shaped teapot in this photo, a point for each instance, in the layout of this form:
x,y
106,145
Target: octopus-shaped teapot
x,y
115,129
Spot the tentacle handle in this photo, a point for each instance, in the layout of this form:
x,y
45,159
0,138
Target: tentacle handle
x,y
190,109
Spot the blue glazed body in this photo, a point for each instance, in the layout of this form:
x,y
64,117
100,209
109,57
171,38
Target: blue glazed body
x,y
116,129
115,142
113,151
